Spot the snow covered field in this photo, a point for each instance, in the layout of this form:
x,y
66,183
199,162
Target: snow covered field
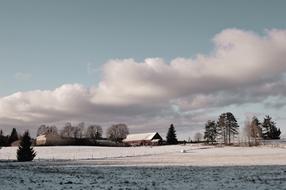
x,y
71,175
163,167
195,155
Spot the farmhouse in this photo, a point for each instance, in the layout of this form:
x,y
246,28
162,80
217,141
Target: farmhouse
x,y
52,140
143,139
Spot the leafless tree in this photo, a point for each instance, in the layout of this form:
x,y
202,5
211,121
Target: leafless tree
x,y
78,130
70,131
44,130
256,130
117,132
253,131
247,130
94,132
198,136
80,127
41,130
67,130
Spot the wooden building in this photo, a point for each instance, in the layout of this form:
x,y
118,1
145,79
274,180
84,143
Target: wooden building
x,y
143,139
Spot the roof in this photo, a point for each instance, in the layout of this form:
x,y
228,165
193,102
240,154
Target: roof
x,y
140,136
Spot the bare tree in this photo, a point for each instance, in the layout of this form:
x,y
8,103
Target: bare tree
x,y
41,130
78,130
253,131
53,130
94,132
247,130
45,129
117,132
198,136
256,130
70,131
67,130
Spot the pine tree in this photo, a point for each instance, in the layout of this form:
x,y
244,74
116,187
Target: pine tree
x,y
227,127
2,142
13,137
171,135
270,131
221,128
25,152
210,131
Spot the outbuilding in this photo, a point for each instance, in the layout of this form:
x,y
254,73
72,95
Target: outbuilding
x,y
143,139
53,140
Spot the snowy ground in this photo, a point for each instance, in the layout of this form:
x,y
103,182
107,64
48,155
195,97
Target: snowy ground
x,y
69,175
195,155
164,167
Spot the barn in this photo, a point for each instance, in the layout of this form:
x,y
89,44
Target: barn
x,y
52,140
143,139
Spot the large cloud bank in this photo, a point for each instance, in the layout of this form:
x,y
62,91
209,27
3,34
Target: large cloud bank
x,y
243,68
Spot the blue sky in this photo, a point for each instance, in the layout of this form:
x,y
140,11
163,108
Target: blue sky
x,y
53,41
86,58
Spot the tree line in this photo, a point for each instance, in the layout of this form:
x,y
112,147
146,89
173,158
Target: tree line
x,y
116,132
225,129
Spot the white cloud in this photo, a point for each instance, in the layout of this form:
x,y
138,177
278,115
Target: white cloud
x,y
241,59
243,68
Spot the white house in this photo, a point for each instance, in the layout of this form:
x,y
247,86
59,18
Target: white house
x,y
52,140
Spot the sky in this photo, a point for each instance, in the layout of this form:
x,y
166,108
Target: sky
x,y
144,63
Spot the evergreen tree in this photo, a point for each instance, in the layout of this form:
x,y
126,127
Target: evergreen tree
x,y
25,152
227,127
2,139
210,131
13,137
221,128
270,131
171,135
